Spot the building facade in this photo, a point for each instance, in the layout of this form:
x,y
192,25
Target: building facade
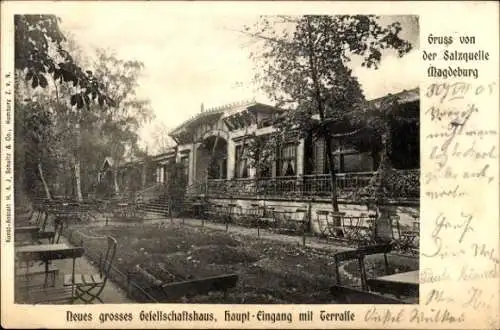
x,y
215,149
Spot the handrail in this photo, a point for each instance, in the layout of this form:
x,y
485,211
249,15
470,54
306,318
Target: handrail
x,y
311,185
150,193
150,188
197,187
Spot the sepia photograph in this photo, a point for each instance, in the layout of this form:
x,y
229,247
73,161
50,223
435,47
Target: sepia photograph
x,y
216,159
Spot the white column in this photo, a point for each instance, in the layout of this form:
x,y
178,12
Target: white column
x,y
300,157
194,156
161,174
231,158
191,166
165,174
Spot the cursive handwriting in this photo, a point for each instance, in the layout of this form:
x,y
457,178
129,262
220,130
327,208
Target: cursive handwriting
x,y
458,90
455,192
472,151
435,316
457,127
481,250
477,299
468,273
437,296
384,315
443,224
428,275
451,114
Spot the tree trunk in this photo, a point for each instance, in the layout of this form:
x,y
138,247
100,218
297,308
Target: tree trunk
x,y
143,176
321,111
333,177
116,187
44,183
76,164
384,220
78,179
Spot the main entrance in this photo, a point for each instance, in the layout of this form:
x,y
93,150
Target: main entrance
x,y
211,159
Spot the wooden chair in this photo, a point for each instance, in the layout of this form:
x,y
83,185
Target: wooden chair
x,y
304,221
253,213
88,287
38,231
229,214
322,219
336,230
268,218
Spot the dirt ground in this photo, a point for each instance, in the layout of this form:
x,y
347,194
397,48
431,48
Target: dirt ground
x,y
269,272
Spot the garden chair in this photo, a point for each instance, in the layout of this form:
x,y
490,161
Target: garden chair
x,y
304,222
322,219
358,229
37,230
252,215
230,214
334,229
268,218
88,287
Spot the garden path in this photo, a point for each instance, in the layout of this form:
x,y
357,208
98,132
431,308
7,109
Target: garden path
x,y
311,241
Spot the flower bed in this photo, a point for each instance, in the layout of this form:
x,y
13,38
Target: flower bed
x,y
269,272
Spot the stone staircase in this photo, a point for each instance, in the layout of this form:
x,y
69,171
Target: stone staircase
x,y
156,203
159,206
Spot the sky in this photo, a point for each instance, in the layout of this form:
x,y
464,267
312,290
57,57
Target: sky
x,y
194,58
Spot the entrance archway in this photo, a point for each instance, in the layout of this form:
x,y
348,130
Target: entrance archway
x,y
211,159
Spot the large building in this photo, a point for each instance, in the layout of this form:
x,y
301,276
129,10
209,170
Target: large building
x,y
214,147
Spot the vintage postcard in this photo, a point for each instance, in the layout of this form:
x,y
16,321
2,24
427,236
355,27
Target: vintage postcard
x,y
316,165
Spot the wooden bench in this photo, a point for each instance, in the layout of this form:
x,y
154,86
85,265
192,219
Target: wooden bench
x,y
347,295
203,286
360,255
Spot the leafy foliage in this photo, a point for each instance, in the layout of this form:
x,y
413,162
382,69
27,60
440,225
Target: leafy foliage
x,y
305,70
119,125
40,54
81,139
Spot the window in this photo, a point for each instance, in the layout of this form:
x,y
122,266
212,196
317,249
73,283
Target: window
x,y
286,162
347,160
218,169
241,162
265,169
265,122
405,146
357,162
185,164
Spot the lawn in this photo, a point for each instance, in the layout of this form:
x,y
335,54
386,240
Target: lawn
x,y
269,272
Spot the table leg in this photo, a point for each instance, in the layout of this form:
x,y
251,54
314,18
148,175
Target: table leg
x,y
46,273
73,281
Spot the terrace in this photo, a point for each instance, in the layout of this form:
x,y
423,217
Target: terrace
x,y
307,186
